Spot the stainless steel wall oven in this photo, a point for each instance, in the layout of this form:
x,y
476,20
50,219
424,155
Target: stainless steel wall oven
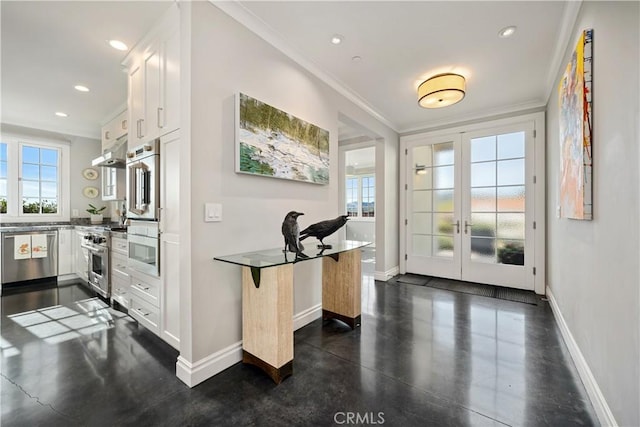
x,y
143,241
143,181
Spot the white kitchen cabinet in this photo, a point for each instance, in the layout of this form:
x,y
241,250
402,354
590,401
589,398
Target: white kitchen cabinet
x,y
113,130
170,238
113,183
135,104
119,272
65,252
144,300
154,82
81,255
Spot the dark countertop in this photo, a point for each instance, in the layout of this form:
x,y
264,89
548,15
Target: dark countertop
x,y
39,226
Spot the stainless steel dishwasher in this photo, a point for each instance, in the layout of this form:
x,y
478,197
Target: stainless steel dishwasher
x,y
31,263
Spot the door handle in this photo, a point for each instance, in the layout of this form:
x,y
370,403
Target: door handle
x,y
457,225
466,225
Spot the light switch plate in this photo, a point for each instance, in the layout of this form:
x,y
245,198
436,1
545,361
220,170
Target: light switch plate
x,y
212,212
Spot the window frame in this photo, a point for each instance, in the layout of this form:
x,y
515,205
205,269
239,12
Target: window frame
x,y
14,213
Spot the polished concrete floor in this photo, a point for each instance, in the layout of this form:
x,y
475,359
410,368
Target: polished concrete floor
x,y
422,357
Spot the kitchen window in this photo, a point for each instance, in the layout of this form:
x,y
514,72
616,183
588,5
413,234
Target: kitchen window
x,y
33,179
361,196
40,178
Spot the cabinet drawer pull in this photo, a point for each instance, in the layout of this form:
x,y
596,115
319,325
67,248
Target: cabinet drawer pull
x,y
139,310
160,122
143,287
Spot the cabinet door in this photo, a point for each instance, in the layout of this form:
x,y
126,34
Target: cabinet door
x,y
170,237
65,252
81,256
136,105
113,184
120,125
108,137
152,107
170,115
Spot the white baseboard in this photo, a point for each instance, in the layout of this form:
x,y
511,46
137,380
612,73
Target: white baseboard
x,y
307,316
603,412
193,374
383,276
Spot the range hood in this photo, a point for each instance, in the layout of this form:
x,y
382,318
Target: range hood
x,y
115,157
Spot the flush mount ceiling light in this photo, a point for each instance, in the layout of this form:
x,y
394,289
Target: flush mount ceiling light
x,y
507,31
336,39
61,114
81,88
441,90
117,44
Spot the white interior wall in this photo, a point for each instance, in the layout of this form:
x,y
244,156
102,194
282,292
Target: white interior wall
x,y
227,58
593,265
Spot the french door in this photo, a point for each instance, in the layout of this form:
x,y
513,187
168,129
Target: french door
x,y
469,206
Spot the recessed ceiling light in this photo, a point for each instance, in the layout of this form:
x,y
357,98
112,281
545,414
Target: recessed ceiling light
x,y
81,88
61,114
336,39
117,44
507,31
356,58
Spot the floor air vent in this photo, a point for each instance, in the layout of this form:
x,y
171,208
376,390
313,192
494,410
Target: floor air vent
x,y
515,295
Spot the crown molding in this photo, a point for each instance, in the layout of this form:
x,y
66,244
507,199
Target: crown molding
x,y
569,19
511,110
256,25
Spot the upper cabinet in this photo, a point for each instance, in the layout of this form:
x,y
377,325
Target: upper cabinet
x,y
154,82
113,130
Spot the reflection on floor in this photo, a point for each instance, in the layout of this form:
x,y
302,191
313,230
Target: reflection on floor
x,y
423,356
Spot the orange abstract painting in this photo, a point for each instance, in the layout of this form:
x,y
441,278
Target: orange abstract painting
x,y
576,160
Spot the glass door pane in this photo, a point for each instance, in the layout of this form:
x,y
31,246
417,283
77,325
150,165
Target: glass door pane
x,y
497,208
432,232
494,211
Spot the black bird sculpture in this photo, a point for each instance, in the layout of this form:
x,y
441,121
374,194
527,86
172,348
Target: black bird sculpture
x,y
291,233
323,229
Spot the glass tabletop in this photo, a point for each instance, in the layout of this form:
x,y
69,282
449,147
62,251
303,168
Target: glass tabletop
x,y
274,257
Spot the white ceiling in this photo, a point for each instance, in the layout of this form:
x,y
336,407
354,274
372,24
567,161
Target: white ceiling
x,y
49,46
401,43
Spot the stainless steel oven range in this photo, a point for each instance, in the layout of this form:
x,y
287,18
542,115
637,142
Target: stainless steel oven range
x,y
143,241
143,181
97,244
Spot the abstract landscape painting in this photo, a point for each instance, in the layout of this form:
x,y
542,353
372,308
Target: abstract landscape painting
x,y
271,142
576,162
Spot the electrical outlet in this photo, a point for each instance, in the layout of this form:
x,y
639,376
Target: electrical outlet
x,y
74,212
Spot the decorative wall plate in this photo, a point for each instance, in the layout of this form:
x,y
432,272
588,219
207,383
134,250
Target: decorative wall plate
x,y
90,174
90,192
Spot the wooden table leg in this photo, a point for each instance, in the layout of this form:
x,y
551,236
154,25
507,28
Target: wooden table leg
x,y
341,287
267,320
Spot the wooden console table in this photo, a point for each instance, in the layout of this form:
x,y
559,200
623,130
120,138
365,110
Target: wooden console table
x,y
267,299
